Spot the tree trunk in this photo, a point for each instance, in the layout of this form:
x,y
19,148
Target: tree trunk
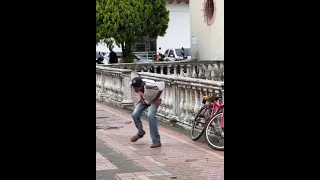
x,y
123,52
127,53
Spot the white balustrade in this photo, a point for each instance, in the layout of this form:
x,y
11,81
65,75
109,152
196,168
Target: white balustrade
x,y
113,85
182,96
202,69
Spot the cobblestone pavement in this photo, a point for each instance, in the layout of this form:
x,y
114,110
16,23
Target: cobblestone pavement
x,y
117,158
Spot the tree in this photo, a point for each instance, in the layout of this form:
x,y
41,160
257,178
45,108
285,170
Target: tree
x,y
108,41
127,20
158,20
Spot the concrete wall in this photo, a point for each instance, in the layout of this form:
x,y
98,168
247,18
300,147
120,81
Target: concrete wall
x,y
178,32
209,40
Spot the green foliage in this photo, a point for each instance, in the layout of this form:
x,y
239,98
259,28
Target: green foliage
x,y
108,41
158,20
127,20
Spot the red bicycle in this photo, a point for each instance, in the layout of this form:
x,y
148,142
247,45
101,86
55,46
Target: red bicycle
x,y
210,119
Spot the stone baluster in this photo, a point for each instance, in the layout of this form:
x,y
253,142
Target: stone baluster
x,y
197,100
182,102
175,66
111,84
188,74
107,86
191,105
194,72
167,100
200,97
155,68
221,70
215,72
171,103
98,85
122,97
142,69
161,69
222,96
102,82
181,70
202,71
148,69
135,69
126,90
168,69
119,87
187,105
161,105
208,72
163,102
114,86
98,78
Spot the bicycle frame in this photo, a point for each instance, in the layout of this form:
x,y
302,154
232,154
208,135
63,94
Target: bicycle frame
x,y
216,105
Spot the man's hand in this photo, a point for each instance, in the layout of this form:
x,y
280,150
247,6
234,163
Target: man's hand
x,y
141,100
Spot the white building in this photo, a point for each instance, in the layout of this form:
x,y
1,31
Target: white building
x,y
207,29
177,34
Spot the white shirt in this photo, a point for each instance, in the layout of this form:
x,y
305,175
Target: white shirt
x,y
151,89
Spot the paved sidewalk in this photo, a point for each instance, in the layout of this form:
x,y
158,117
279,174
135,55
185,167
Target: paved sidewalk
x,y
180,158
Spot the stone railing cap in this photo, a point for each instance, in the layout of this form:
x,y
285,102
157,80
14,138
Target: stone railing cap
x,y
193,61
114,69
185,79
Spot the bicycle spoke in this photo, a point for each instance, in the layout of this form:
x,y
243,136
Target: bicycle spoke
x,y
198,125
214,133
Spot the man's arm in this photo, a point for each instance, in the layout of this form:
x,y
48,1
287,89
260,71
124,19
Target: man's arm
x,y
157,100
158,96
141,99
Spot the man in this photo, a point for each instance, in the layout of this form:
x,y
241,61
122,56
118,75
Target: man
x,y
150,92
112,56
159,55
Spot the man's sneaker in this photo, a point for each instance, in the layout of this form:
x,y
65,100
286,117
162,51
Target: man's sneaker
x,y
155,145
136,137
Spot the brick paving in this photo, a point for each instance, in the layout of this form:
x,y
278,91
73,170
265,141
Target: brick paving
x,y
179,157
103,164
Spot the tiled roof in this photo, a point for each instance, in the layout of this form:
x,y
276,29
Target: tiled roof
x,y
178,1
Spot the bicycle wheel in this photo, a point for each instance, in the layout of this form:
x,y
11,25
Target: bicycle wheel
x,y
199,122
214,133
